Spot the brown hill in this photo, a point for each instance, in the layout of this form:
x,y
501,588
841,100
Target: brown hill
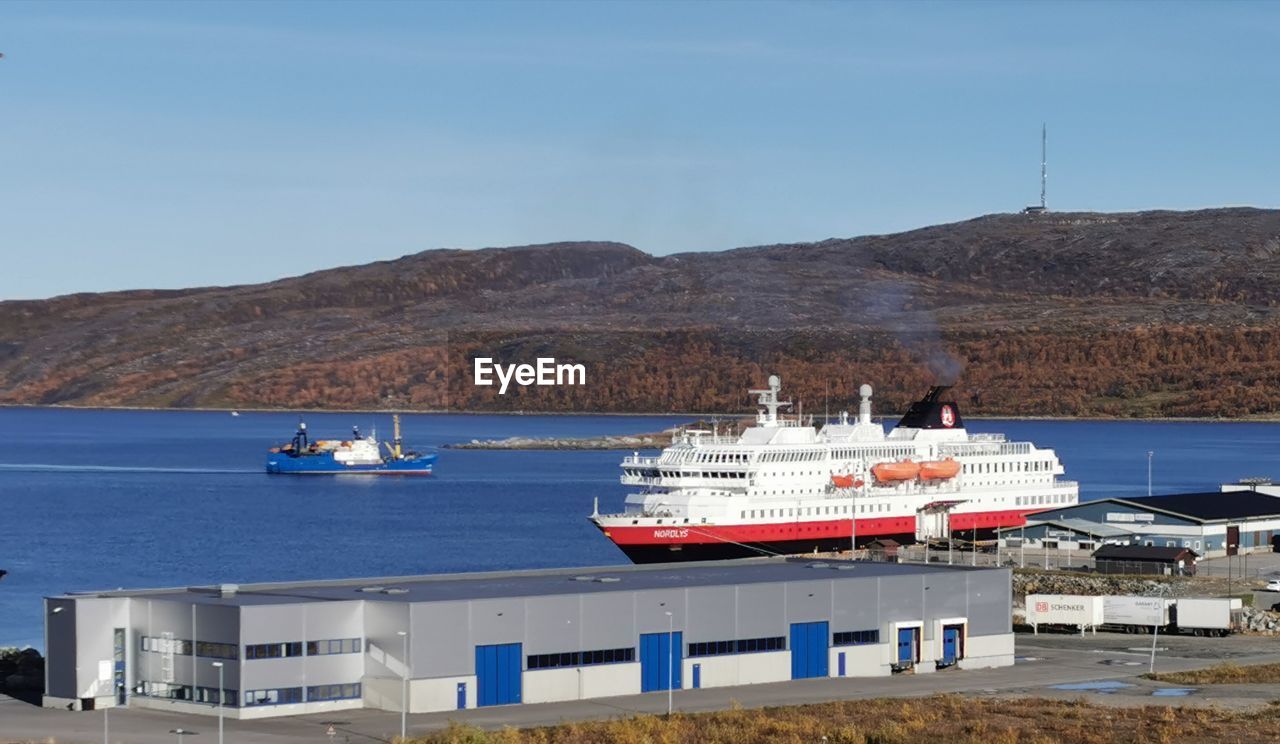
x,y
1170,313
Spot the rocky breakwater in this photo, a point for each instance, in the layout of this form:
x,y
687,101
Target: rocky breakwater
x,y
1065,582
1254,620
634,442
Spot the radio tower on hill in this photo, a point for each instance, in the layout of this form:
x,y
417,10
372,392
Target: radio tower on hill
x,y
1044,172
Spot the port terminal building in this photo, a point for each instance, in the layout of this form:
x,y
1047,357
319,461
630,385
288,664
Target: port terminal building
x,y
1236,519
446,642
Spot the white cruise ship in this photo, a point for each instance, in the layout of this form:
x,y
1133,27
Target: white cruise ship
x,y
786,487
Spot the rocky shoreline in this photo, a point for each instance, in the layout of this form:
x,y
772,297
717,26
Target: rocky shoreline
x,y
632,442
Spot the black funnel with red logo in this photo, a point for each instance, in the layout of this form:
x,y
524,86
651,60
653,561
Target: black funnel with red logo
x,y
933,412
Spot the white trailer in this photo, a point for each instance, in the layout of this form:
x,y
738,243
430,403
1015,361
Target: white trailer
x,y
1206,616
1066,610
1133,614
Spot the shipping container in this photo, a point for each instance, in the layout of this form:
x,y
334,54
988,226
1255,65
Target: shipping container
x,y
1068,610
1133,614
1204,616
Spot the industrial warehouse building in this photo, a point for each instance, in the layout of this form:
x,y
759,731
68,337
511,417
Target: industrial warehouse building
x,y
1212,523
469,640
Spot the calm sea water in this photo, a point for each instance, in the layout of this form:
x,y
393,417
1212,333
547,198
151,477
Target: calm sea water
x,y
106,499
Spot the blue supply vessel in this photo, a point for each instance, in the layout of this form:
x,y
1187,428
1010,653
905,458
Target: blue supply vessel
x,y
364,455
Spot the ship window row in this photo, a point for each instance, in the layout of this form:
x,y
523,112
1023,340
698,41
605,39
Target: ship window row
x,y
855,637
582,658
873,453
720,457
798,456
740,646
182,647
809,511
1033,466
699,474
1052,498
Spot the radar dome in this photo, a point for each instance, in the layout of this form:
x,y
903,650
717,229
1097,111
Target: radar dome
x,y
775,381
865,391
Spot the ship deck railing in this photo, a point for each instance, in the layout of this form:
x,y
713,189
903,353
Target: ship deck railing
x,y
971,448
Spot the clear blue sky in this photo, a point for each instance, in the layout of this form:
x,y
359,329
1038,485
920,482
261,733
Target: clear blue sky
x,y
180,144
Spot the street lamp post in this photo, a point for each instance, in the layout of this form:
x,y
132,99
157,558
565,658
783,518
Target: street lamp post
x,y
404,686
1155,629
221,694
671,660
1150,454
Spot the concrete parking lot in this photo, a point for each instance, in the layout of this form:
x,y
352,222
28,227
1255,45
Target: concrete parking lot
x,y
1103,667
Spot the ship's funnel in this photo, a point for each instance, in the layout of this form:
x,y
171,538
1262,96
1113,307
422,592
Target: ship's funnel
x,y
933,411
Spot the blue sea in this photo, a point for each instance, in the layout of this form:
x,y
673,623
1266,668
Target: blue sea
x,y
106,499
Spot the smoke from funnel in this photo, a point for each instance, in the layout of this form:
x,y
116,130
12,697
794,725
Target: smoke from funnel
x,y
890,306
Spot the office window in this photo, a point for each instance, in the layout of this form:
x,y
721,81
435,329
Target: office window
x,y
210,695
581,658
855,637
333,692
279,696
217,650
273,650
333,646
175,646
165,690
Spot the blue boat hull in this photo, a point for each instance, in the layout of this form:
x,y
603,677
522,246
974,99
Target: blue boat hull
x,y
323,464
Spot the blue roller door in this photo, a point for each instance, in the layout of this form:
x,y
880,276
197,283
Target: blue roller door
x,y
950,644
660,661
906,646
810,643
498,674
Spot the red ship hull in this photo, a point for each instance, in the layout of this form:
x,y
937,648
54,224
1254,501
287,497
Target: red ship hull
x,y
701,542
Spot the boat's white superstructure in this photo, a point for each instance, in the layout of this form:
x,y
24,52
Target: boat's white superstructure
x,y
785,486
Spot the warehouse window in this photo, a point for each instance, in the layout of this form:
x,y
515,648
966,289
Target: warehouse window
x,y
273,650
217,650
165,690
181,647
279,696
210,695
175,646
741,646
855,637
333,692
582,658
333,646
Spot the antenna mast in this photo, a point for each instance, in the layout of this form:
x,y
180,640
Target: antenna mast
x,y
1044,163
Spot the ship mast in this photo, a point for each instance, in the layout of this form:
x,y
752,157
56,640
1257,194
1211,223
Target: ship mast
x,y
395,422
769,400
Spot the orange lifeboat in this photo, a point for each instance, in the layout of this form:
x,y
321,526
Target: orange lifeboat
x,y
939,469
896,471
846,481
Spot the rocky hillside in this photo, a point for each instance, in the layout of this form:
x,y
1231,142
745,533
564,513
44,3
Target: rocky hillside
x,y
1153,313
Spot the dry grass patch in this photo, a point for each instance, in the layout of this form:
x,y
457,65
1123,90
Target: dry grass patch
x,y
1223,674
945,718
